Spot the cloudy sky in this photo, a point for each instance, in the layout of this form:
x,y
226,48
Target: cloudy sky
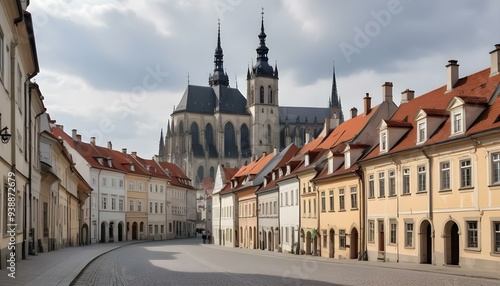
x,y
114,69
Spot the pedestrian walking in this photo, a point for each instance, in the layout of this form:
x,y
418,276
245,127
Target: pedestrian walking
x,y
204,238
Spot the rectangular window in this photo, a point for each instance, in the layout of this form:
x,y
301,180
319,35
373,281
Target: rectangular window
x,y
291,198
104,181
113,203
104,202
120,183
131,205
392,183
150,229
354,198
323,202
341,200
331,201
131,186
465,174
162,228
421,132
150,207
371,231
381,185
113,182
495,168
286,198
139,206
169,227
409,235
156,208
304,212
383,141
472,234
406,181
371,186
161,208
422,179
2,56
445,176
394,232
457,123
281,201
496,238
120,204
139,186
342,239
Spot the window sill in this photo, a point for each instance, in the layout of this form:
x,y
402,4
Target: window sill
x,y
496,254
354,209
466,189
341,210
381,197
331,211
405,194
409,247
445,191
371,197
421,192
494,185
473,250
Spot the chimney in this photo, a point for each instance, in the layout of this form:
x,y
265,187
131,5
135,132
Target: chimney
x,y
368,103
73,134
124,150
354,112
308,138
275,151
264,154
60,126
110,146
451,74
495,60
407,95
134,154
92,140
78,138
387,91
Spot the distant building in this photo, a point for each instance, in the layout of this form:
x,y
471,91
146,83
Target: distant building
x,y
216,124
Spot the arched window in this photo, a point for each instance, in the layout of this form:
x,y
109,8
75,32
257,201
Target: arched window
x,y
261,94
245,141
212,173
230,148
270,95
209,140
182,146
195,141
252,91
199,176
269,135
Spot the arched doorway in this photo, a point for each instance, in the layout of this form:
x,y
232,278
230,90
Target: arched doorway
x,y
331,247
425,242
84,234
452,244
111,232
254,238
141,229
135,231
250,238
263,240
120,231
236,239
270,241
308,243
103,232
354,243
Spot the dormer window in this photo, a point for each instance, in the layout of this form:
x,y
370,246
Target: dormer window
x,y
100,160
330,165
280,173
132,167
110,162
306,160
457,126
422,132
383,141
288,169
274,176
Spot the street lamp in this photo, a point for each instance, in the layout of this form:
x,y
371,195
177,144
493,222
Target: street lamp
x,y
4,133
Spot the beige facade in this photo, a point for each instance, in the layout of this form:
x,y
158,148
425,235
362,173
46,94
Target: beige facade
x,y
136,214
309,216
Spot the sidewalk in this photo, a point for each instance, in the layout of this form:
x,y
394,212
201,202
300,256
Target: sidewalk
x,y
441,269
58,267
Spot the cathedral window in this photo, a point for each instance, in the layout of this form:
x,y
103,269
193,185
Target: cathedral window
x,y
230,147
269,134
245,141
270,95
261,94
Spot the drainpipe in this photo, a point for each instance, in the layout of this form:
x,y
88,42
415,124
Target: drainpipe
x,y
362,215
431,215
299,242
20,11
98,226
220,220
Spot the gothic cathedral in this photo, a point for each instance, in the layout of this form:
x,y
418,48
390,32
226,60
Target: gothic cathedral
x,y
216,124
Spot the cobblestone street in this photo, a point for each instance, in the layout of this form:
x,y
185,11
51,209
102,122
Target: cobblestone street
x,y
187,262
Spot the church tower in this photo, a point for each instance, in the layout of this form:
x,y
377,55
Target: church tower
x,y
262,100
335,103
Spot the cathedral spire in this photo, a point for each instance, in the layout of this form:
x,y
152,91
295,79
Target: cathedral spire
x,y
218,77
262,67
334,102
262,50
161,149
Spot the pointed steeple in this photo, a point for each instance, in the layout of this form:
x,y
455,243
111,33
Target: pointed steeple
x,y
262,67
218,77
161,149
335,102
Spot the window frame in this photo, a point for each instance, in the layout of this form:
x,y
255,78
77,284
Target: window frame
x,y
457,123
371,231
393,232
445,173
341,199
473,238
422,179
496,237
465,183
383,141
381,185
495,162
422,132
354,197
406,181
371,186
391,174
409,235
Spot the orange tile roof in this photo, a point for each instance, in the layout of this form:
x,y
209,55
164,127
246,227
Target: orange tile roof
x,y
476,89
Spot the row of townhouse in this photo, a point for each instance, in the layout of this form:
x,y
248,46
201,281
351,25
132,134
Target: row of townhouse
x,y
42,194
418,182
133,198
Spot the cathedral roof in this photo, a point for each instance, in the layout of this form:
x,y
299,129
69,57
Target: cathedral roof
x,y
303,114
208,100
